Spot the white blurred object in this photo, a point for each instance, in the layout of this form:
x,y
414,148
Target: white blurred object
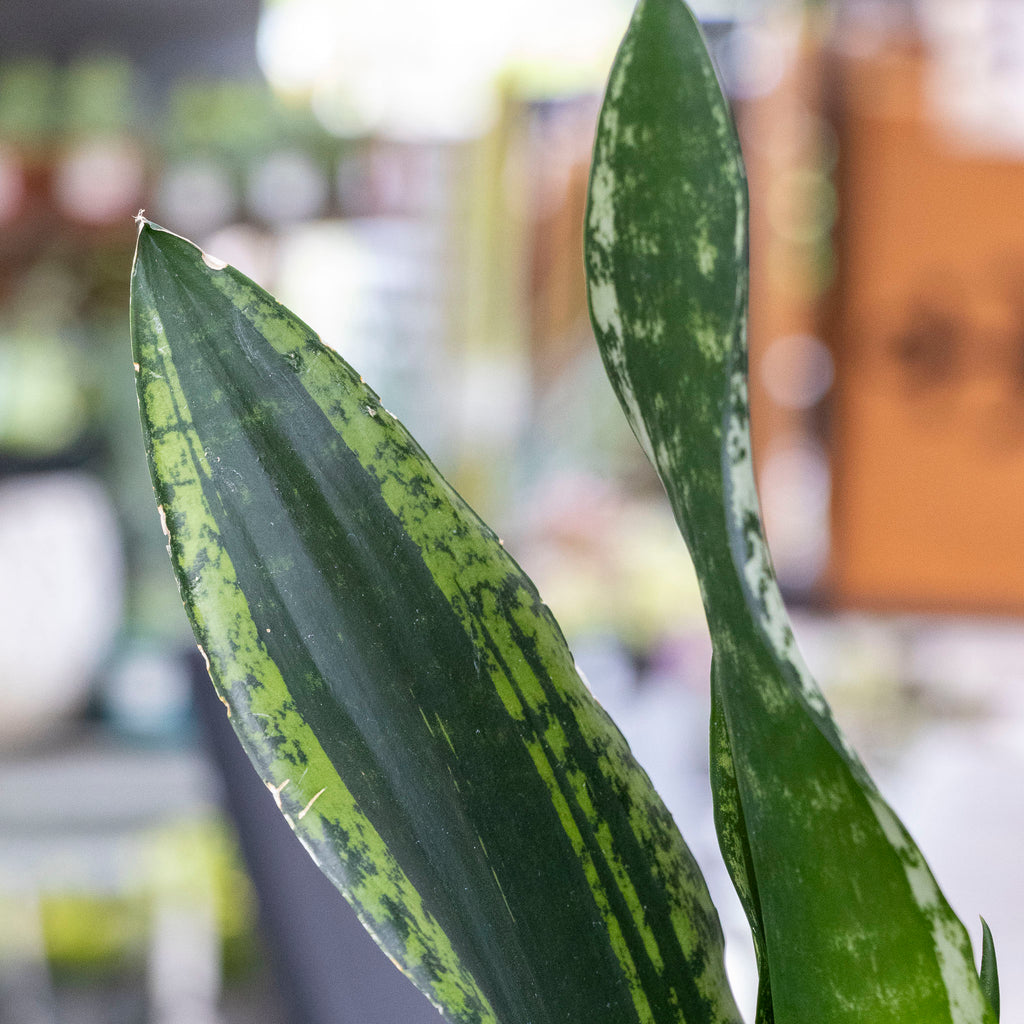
x,y
287,186
759,52
60,603
429,70
797,371
100,180
146,692
184,959
795,485
196,195
373,288
976,87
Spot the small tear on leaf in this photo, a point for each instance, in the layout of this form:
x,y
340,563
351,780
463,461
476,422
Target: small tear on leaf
x,y
213,263
305,810
276,792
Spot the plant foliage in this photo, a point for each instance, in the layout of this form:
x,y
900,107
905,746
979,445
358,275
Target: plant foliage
x,y
411,703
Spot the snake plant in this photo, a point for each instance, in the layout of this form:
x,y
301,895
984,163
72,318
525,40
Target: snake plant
x,y
411,703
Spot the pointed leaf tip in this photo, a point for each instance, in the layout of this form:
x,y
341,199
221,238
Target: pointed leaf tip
x,y
844,909
398,682
989,968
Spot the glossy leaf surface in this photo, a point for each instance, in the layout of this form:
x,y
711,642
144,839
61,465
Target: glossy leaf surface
x,y
848,921
397,682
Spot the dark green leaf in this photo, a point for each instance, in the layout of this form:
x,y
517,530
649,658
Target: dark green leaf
x,y
989,968
397,682
848,921
732,838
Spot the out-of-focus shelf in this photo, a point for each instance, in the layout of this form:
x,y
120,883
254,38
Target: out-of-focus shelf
x,y
82,804
95,780
79,818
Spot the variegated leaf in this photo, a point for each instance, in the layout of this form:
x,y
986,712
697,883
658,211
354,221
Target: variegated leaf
x,y
398,683
849,923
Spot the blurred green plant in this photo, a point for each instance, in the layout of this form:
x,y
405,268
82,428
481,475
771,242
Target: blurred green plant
x,y
102,936
411,703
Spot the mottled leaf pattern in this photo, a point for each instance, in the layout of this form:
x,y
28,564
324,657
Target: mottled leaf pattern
x,y
849,924
989,968
398,683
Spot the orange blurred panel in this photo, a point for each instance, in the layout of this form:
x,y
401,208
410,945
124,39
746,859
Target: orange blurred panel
x,y
928,426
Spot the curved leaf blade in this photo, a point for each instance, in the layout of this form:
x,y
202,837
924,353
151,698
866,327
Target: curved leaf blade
x,y
398,683
732,840
848,922
989,968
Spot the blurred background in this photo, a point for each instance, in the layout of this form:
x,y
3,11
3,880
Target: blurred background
x,y
410,179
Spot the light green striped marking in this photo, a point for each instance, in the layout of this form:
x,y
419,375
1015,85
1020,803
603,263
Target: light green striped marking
x,y
666,243
236,656
565,815
380,443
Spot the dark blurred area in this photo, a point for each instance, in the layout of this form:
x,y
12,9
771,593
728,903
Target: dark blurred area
x,y
412,183
164,41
